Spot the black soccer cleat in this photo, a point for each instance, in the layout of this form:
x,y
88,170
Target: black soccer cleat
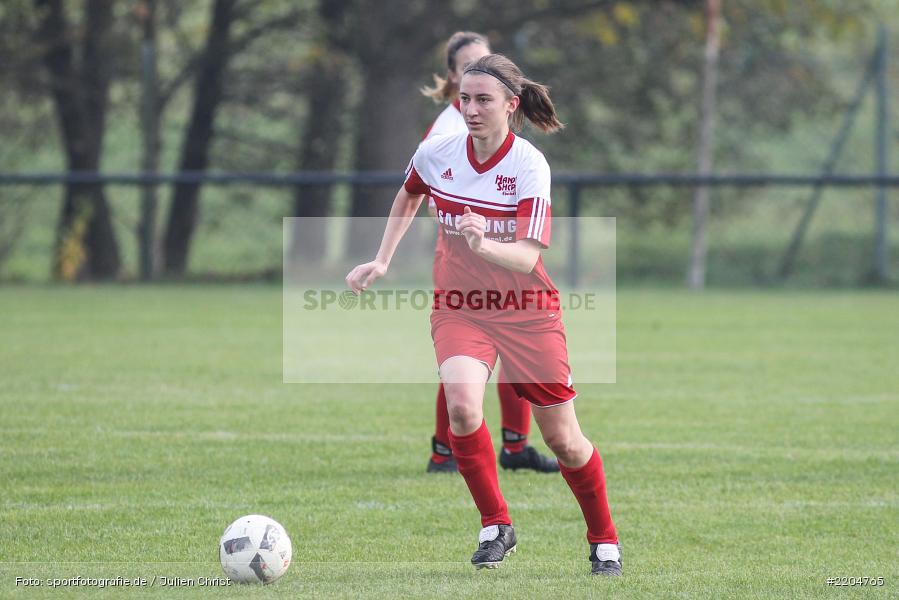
x,y
528,458
495,543
606,559
447,466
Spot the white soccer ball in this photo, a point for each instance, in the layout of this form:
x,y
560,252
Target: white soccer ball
x,y
255,549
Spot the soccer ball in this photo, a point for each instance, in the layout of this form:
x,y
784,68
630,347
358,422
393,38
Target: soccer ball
x,y
255,549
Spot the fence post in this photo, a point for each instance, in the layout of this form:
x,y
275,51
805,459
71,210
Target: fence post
x,y
574,244
881,245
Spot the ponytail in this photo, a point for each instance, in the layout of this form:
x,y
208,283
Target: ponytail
x,y
537,107
442,91
535,104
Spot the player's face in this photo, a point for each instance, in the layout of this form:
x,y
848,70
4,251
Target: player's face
x,y
464,57
485,105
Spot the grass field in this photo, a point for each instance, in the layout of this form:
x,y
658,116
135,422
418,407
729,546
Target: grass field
x,y
750,447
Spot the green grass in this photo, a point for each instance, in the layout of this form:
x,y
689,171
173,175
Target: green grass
x,y
750,448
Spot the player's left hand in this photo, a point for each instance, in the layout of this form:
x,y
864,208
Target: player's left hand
x,y
472,225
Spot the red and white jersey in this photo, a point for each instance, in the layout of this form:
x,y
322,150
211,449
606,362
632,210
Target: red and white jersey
x,y
511,190
448,122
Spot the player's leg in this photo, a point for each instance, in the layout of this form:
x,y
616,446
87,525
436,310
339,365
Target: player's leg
x,y
465,355
464,379
582,469
441,460
515,413
536,362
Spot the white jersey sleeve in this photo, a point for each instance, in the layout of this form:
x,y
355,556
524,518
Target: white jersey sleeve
x,y
414,183
422,172
534,177
448,122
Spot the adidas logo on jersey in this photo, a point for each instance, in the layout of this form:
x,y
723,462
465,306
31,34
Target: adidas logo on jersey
x,y
448,174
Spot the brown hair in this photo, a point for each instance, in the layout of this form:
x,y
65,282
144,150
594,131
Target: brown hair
x,y
444,89
535,106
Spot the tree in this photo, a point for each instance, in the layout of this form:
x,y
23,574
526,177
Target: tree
x,y
208,92
78,62
705,160
326,87
388,40
150,115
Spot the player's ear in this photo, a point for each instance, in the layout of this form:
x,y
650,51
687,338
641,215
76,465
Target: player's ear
x,y
513,104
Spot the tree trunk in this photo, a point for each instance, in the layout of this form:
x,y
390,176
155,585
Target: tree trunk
x,y
86,246
388,135
327,88
146,229
388,127
208,94
696,275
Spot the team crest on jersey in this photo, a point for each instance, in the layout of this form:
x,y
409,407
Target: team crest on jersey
x,y
448,175
506,185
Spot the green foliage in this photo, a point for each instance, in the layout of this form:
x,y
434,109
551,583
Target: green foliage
x,y
625,77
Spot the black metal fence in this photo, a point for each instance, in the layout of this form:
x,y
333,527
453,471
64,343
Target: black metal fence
x,y
579,195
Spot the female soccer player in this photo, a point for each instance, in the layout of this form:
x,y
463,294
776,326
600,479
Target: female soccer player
x,y
501,184
462,49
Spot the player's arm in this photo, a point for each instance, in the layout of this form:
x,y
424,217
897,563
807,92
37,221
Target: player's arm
x,y
520,256
405,205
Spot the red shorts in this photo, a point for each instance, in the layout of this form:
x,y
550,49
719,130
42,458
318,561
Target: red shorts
x,y
534,355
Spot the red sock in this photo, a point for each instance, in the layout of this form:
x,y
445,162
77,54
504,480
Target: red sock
x,y
515,413
440,438
477,464
589,486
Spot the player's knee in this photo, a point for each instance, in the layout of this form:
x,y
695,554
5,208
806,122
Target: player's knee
x,y
464,406
563,445
465,416
459,395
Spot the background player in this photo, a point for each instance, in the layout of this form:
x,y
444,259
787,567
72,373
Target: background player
x,y
529,340
462,49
